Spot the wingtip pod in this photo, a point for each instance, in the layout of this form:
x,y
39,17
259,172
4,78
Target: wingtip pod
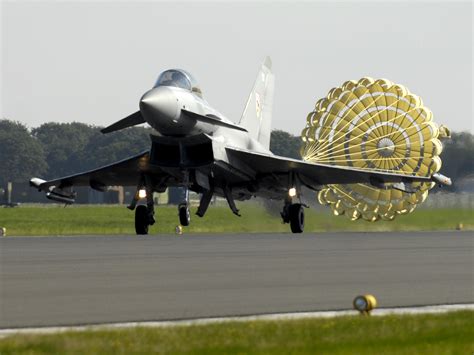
x,y
36,182
377,125
444,132
441,179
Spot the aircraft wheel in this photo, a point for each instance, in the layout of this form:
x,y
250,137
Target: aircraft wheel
x,y
141,220
297,218
184,215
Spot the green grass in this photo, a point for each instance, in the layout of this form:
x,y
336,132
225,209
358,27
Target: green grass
x,y
57,220
449,333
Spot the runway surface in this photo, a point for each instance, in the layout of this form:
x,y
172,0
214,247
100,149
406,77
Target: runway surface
x,y
94,279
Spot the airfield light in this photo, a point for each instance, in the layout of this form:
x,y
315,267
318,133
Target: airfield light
x,y
142,193
364,304
292,192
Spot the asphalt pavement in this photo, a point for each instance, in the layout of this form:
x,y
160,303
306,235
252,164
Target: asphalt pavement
x,y
46,281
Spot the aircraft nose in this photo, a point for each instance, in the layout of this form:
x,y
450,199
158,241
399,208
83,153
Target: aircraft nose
x,y
159,105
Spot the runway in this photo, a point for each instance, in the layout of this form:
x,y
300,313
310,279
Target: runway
x,y
50,281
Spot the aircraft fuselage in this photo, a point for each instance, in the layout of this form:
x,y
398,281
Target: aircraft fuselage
x,y
162,108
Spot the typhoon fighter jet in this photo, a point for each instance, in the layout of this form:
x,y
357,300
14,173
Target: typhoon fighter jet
x,y
195,147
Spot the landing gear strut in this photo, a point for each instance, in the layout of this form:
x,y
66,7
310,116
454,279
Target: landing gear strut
x,y
183,210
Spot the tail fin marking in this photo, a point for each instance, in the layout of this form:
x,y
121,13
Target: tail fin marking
x,y
257,115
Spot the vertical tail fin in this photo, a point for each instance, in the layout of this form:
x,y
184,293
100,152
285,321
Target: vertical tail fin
x,y
257,115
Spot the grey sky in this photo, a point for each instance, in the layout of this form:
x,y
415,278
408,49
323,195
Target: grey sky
x,y
91,61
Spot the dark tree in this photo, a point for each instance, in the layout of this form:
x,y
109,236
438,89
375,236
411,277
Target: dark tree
x,y
61,143
284,144
457,156
21,155
106,149
74,147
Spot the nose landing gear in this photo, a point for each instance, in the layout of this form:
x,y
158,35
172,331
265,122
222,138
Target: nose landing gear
x,y
143,205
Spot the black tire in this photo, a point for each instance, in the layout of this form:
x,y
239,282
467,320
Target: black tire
x,y
141,220
184,215
297,218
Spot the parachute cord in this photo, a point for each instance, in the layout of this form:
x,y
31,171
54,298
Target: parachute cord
x,y
331,151
325,157
364,121
349,109
377,159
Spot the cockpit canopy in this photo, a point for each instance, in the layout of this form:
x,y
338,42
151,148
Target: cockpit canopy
x,y
179,78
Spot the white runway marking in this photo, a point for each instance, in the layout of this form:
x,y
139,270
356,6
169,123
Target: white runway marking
x,y
264,317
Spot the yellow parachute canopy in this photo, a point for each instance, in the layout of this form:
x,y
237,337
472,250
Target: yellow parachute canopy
x,y
379,126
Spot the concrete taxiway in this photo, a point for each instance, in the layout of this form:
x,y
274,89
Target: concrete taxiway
x,y
47,281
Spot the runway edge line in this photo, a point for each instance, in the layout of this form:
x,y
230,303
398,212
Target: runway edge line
x,y
264,317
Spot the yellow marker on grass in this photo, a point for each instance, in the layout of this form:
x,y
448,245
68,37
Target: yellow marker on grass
x,y
365,304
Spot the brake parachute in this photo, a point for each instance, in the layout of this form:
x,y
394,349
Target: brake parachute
x,y
379,126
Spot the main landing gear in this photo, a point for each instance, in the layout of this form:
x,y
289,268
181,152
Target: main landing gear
x,y
144,217
293,213
141,220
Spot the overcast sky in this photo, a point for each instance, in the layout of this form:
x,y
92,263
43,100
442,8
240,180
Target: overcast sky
x,y
91,61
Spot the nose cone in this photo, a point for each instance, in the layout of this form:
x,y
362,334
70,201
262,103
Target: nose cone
x,y
159,107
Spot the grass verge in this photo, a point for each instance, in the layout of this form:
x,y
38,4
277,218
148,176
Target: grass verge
x,y
57,220
449,333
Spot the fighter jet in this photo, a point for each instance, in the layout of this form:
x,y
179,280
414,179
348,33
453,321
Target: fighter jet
x,y
195,147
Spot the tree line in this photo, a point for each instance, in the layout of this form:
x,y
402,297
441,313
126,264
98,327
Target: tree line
x,y
58,149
